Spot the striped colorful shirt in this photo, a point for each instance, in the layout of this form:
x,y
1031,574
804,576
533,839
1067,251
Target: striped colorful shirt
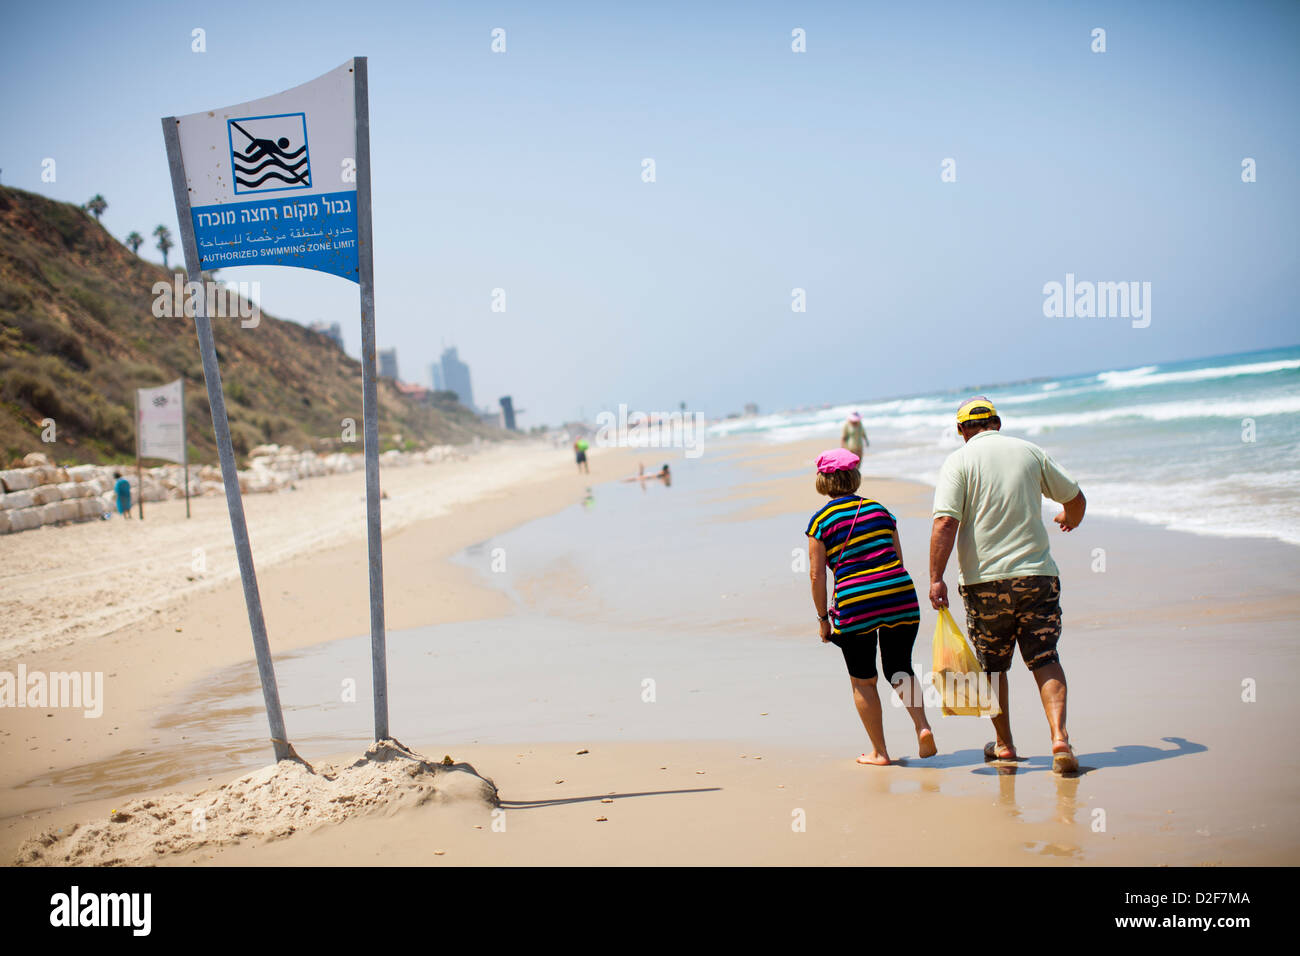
x,y
872,588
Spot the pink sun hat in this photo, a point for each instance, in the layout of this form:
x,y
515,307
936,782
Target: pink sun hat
x,y
837,459
855,417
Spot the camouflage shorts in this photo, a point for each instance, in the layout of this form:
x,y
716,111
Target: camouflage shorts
x,y
1000,614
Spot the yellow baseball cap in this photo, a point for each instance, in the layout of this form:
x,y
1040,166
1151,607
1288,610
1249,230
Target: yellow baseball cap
x,y
976,409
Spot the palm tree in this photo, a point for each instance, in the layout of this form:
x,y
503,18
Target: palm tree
x,y
134,240
164,241
97,205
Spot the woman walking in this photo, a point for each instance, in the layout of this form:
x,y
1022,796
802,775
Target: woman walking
x,y
874,598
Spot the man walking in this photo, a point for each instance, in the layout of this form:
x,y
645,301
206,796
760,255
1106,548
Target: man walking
x,y
989,503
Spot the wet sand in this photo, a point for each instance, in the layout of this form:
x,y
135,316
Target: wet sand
x,y
698,588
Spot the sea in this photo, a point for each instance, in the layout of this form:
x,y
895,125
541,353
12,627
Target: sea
x,y
1210,446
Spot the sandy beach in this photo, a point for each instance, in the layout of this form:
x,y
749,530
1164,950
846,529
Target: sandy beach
x,y
533,673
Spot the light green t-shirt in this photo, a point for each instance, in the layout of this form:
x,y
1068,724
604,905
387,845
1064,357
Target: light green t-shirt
x,y
994,485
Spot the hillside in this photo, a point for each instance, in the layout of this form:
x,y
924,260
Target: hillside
x,y
78,336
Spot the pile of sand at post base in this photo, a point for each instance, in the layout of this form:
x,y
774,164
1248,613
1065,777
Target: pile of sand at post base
x,y
270,804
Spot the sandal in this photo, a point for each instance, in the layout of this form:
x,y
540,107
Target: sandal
x,y
991,752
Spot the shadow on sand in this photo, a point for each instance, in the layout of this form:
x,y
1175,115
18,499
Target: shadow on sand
x,y
560,801
1125,755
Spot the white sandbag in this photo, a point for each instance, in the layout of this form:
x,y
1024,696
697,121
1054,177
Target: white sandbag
x,y
18,499
83,472
58,511
47,475
5,526
153,491
17,479
89,508
26,519
75,489
46,494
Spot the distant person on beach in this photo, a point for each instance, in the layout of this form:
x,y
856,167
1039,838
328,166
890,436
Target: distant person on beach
x,y
580,447
663,475
853,436
875,600
123,489
989,503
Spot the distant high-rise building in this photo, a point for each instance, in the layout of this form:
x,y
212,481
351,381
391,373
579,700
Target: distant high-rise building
x,y
388,363
331,330
508,412
435,373
455,377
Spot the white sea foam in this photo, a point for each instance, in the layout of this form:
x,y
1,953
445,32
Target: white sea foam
x,y
1137,450
1148,375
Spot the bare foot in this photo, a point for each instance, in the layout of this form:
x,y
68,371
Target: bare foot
x,y
925,739
874,759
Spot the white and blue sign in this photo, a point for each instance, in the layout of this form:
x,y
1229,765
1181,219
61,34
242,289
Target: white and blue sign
x,y
273,181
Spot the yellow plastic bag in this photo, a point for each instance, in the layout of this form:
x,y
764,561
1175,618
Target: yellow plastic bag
x,y
964,688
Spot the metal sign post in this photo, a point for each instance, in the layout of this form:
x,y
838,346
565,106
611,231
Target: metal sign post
x,y
370,402
185,451
221,429
139,470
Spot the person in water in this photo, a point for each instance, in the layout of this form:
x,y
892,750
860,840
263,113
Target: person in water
x,y
123,489
853,436
875,601
663,475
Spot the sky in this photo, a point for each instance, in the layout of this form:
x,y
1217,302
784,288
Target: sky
x,y
774,171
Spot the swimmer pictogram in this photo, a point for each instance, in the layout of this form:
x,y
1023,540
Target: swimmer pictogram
x,y
269,153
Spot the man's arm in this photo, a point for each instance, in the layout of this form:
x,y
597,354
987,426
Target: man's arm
x,y
942,537
1072,512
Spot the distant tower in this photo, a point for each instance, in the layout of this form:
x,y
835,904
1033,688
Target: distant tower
x,y
388,363
508,412
435,373
455,377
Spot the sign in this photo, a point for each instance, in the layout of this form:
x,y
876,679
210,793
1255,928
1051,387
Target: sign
x,y
285,181
162,422
273,181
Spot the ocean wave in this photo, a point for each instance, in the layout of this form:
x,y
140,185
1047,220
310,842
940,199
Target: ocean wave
x,y
1150,374
1240,408
1221,507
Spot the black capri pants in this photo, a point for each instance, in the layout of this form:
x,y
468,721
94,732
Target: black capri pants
x,y
896,642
